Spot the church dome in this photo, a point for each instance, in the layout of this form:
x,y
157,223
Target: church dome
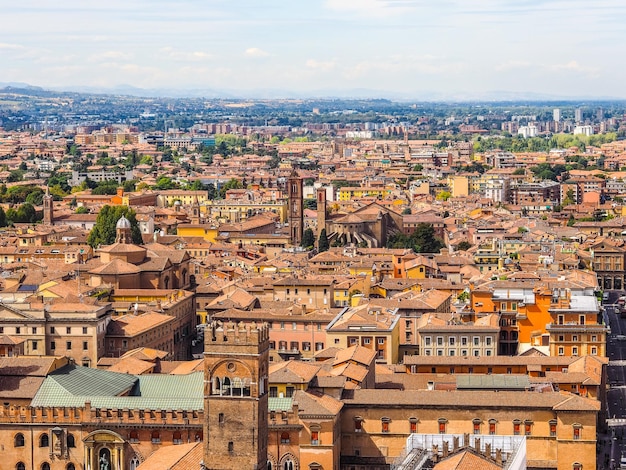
x,y
123,223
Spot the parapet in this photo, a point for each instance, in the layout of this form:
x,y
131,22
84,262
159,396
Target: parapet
x,y
244,334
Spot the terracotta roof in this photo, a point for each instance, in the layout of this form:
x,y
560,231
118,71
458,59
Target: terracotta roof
x,y
466,460
178,457
116,266
131,365
358,354
314,403
292,372
131,325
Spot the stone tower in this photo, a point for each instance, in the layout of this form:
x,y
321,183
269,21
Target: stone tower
x,y
296,203
195,211
236,364
123,231
48,208
321,212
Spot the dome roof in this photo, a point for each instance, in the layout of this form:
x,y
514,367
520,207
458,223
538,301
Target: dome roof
x,y
123,223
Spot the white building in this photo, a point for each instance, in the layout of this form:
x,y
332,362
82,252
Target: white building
x,y
583,130
527,131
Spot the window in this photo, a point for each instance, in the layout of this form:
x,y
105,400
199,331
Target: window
x,y
381,340
488,340
442,425
68,330
464,341
70,441
315,436
177,437
273,392
476,425
35,345
476,341
134,463
577,431
18,330
284,438
358,424
272,344
289,392
439,341
133,436
528,427
427,341
231,447
561,351
594,351
220,418
18,441
452,341
68,345
384,424
413,425
45,466
70,466
517,427
84,330
575,351
492,427
20,466
52,330
366,341
34,330
44,440
552,423
85,345
155,437
294,325
577,466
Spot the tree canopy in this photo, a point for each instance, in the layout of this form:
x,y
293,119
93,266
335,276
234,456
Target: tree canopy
x,y
422,240
323,244
103,233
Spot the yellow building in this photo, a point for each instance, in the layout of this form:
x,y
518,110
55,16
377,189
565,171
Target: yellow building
x,y
237,211
459,185
208,232
349,193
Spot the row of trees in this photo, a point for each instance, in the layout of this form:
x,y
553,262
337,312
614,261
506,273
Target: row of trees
x,y
24,214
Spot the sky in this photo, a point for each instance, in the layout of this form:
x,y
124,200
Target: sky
x,y
312,47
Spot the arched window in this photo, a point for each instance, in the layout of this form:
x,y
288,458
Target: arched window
x,y
288,465
284,438
44,440
134,463
20,466
19,440
231,447
70,441
45,466
70,466
269,465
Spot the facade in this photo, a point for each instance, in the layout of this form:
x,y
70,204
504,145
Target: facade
x,y
236,397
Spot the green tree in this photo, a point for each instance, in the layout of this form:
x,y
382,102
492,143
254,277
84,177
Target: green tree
x,y
406,211
308,238
3,218
231,184
104,231
82,210
464,246
322,244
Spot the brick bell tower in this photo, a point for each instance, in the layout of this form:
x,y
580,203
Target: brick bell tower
x,y
296,212
236,365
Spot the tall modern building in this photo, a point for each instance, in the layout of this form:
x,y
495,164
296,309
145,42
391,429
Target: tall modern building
x,y
578,115
556,114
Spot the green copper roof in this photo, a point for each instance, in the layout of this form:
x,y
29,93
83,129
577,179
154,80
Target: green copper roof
x,y
74,385
279,404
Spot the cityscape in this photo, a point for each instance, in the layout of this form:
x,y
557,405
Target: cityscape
x,y
373,235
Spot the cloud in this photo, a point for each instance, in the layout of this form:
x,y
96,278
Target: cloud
x,y
375,8
321,65
110,55
179,55
574,66
256,52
